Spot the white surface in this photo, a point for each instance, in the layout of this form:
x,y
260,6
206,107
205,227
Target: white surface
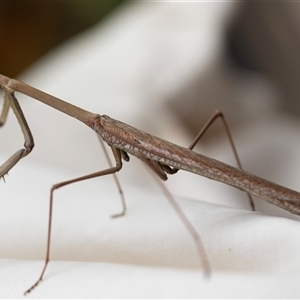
x,y
148,253
122,69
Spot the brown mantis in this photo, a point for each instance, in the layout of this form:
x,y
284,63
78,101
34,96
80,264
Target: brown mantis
x,y
161,156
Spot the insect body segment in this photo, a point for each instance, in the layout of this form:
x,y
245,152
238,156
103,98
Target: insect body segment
x,y
149,147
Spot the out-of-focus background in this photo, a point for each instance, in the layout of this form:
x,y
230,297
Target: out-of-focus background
x,y
29,29
260,38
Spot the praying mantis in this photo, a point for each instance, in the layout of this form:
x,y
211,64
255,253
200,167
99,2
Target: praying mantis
x,y
162,157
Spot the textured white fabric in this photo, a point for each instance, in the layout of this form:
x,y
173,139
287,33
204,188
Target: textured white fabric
x,y
147,253
123,68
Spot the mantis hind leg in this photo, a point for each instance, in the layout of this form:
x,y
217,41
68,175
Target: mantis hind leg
x,y
109,171
217,114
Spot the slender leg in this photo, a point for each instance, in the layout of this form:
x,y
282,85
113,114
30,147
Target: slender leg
x,y
122,213
158,169
112,170
210,121
219,114
11,101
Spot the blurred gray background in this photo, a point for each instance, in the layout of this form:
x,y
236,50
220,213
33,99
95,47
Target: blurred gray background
x,y
261,39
